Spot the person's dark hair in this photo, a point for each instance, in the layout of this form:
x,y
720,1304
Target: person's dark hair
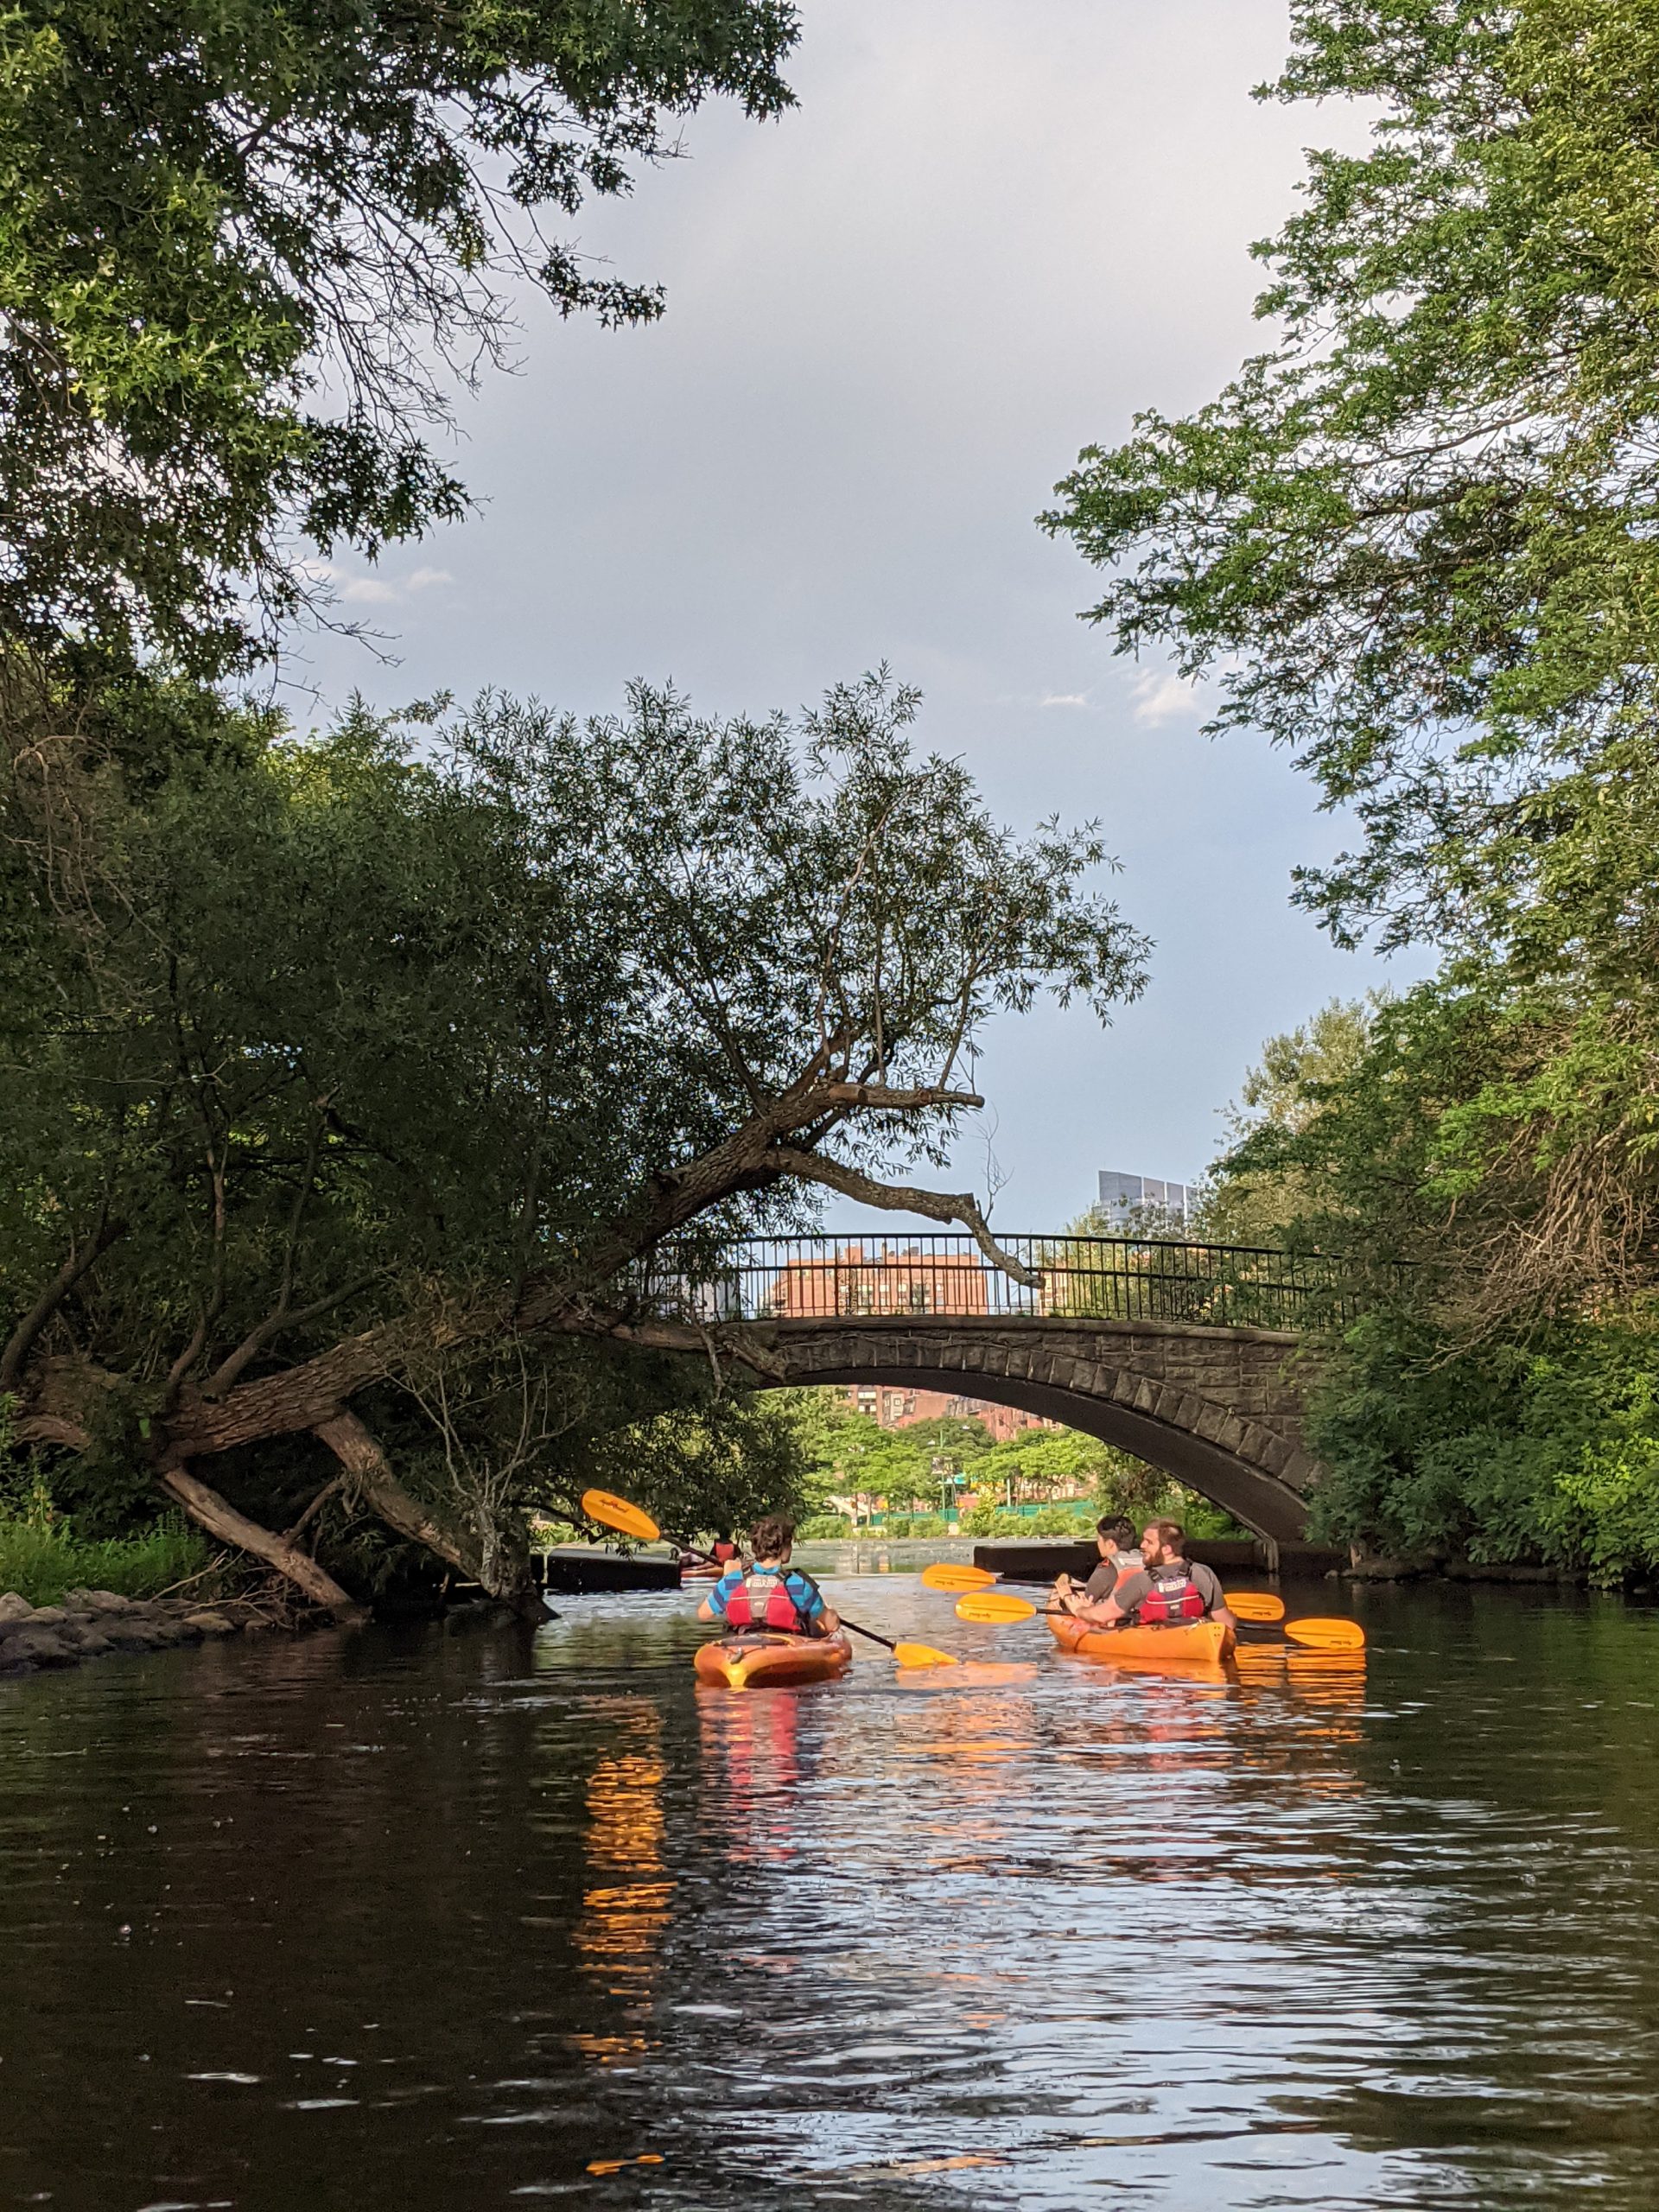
x,y
771,1536
1171,1536
1118,1526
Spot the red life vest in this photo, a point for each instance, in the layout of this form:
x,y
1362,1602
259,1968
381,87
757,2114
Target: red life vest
x,y
1173,1596
763,1600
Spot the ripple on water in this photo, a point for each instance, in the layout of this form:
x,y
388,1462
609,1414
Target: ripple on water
x,y
439,1920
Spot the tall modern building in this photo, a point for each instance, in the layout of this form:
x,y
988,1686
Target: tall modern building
x,y
1122,1196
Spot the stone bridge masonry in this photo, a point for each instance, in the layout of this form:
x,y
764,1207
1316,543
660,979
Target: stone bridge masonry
x,y
1218,1409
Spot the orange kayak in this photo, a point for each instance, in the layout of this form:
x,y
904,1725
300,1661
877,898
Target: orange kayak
x,y
765,1662
1202,1642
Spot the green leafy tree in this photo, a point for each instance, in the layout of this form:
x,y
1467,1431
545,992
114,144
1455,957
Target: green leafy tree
x,y
1411,541
351,1082
1299,1073
245,251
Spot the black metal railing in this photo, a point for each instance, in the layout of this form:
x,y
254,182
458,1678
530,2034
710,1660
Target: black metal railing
x,y
1100,1278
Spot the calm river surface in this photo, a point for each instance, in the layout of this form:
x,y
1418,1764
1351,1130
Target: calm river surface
x,y
431,1921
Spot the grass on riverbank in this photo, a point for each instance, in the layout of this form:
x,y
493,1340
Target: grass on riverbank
x,y
41,1562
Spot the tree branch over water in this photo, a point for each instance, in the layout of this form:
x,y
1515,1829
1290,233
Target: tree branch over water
x,y
567,991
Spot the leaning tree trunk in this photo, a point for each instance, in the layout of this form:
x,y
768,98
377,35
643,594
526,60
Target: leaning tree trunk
x,y
221,1518
499,1562
778,1143
505,1569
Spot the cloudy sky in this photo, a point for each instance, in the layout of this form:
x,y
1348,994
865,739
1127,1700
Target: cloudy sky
x,y
986,237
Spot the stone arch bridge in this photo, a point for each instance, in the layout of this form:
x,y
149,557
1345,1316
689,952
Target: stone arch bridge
x,y
1189,1356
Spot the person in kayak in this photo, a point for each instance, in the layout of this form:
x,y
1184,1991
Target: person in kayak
x,y
770,1595
1166,1590
1114,1541
710,1566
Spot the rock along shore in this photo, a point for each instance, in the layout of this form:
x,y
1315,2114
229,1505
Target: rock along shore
x,y
91,1623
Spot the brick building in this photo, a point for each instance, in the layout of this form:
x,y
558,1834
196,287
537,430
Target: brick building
x,y
854,1280
894,1406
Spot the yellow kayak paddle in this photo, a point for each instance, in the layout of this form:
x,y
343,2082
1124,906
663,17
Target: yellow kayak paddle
x,y
955,1578
1247,1605
994,1607
616,1513
1255,1605
1001,1608
1327,1635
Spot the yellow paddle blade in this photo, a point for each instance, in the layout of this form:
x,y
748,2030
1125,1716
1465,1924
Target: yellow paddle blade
x,y
616,1513
945,1577
995,1607
1255,1605
1326,1636
922,1655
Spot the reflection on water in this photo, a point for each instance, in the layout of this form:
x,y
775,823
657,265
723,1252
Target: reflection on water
x,y
439,1922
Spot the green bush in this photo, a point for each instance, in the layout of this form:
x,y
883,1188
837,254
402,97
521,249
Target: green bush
x,y
1496,1452
40,1560
824,1528
928,1524
896,1524
1060,1521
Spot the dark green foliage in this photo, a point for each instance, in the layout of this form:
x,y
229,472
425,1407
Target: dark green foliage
x,y
399,1029
1543,1450
1482,1407
710,1468
242,247
1413,542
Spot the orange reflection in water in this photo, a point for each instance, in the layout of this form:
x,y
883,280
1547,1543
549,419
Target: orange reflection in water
x,y
629,1902
751,1751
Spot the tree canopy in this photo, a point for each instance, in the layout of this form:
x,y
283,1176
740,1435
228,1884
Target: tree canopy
x,y
1414,540
246,249
365,1073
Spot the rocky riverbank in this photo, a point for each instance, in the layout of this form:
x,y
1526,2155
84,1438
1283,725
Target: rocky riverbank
x,y
90,1624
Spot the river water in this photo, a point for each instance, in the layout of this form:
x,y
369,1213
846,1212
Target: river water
x,y
430,1921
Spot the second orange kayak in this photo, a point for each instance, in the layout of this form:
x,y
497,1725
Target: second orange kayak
x,y
1204,1642
769,1661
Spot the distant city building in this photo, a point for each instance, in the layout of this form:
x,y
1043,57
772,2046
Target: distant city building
x,y
1122,1196
895,1405
855,1279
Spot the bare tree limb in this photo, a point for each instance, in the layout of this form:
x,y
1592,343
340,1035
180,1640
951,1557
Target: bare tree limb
x,y
221,1518
878,1095
231,1368
904,1197
23,1337
53,1429
293,1534
366,1462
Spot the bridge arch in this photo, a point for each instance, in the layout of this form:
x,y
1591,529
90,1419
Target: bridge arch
x,y
1217,1409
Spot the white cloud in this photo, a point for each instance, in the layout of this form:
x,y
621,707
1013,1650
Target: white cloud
x,y
1065,699
1159,696
423,578
369,591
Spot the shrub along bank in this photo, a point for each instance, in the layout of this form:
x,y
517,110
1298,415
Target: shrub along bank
x,y
40,1560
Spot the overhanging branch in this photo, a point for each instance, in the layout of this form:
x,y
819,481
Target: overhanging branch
x,y
904,1197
